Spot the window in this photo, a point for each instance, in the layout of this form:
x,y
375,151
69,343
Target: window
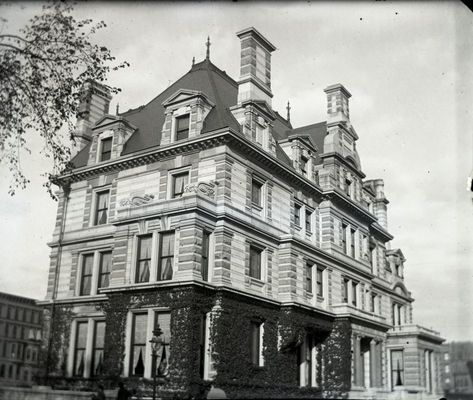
x,y
179,182
166,256
79,349
307,362
106,149
308,221
182,127
101,208
344,238
143,261
97,351
308,278
138,344
345,290
320,282
86,274
348,187
373,302
256,343
297,215
162,359
397,368
303,164
354,286
205,256
255,262
256,189
104,269
352,242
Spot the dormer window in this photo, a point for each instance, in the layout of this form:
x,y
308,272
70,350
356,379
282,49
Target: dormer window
x,y
182,127
304,161
348,187
106,149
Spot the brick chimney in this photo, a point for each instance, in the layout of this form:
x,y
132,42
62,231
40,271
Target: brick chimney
x,y
337,104
94,104
255,67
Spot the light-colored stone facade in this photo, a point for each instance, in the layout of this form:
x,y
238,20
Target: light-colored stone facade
x,y
259,195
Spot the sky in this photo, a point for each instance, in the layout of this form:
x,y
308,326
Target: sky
x,y
408,67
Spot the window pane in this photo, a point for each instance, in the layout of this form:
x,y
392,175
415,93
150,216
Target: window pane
x,y
101,212
256,192
86,275
180,182
397,367
81,340
106,151
105,268
99,339
255,263
144,258
205,256
166,259
162,360
309,278
320,287
254,342
138,344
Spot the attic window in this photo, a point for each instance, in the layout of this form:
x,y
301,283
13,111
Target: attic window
x,y
304,161
182,127
106,149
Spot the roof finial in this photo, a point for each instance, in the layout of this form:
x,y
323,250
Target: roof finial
x,y
193,61
288,108
207,56
118,107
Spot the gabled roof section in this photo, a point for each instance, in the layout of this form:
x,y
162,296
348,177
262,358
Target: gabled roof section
x,y
203,77
316,133
184,94
110,119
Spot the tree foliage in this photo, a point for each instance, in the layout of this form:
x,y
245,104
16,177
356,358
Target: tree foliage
x,y
42,71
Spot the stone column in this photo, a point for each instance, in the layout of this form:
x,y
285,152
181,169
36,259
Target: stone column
x,y
358,362
373,364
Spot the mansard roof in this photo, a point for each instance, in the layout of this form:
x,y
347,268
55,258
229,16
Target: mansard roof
x,y
204,77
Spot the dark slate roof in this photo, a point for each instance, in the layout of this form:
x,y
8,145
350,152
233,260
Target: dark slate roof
x,y
222,90
205,77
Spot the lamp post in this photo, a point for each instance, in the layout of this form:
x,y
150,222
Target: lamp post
x,y
156,343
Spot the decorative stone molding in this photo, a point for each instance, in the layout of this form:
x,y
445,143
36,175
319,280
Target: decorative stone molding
x,y
205,188
136,201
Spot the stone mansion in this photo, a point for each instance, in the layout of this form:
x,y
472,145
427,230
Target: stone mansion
x,y
259,249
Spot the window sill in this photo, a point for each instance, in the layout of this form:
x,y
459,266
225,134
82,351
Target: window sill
x,y
257,207
254,281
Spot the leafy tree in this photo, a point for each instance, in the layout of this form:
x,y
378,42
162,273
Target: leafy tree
x,y
42,71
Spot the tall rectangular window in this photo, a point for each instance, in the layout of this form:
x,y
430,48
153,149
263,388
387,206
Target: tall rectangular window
x,y
308,221
354,286
373,302
344,238
256,188
205,256
303,164
397,368
163,319
106,149
166,256
320,282
256,350
143,261
297,215
86,274
101,207
345,290
255,262
79,349
308,278
97,350
348,187
179,182
105,268
352,242
307,362
182,127
138,344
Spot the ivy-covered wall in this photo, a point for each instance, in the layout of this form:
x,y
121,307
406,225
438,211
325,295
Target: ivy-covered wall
x,y
284,331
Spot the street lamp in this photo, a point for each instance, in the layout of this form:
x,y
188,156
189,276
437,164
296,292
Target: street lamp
x,y
156,343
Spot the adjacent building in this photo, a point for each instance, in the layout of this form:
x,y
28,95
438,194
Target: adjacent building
x,y
260,249
20,339
457,368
